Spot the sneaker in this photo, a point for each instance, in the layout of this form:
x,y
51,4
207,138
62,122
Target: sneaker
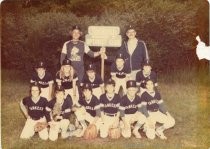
x,y
136,134
160,134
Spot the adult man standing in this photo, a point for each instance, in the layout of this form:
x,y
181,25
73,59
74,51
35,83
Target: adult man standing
x,y
74,50
135,52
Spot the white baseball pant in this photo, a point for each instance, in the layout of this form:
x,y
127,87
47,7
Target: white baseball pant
x,y
108,122
28,130
55,129
118,83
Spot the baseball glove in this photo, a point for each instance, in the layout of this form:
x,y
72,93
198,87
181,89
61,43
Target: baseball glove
x,y
56,111
114,133
90,132
40,126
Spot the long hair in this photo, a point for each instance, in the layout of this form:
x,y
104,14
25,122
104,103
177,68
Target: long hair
x,y
71,73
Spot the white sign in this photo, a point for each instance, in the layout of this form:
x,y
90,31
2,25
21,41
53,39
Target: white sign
x,y
202,51
103,36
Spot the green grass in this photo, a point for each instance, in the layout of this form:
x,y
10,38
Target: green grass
x,y
186,95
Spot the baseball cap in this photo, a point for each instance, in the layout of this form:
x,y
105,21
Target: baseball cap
x,y
66,62
87,86
131,83
76,27
110,81
130,27
120,55
91,67
40,64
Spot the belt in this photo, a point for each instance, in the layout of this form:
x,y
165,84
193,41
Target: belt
x,y
109,114
35,119
120,76
154,110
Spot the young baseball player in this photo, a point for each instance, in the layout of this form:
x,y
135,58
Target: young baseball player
x,y
120,73
130,111
68,78
58,110
94,80
145,74
155,111
88,109
109,103
33,108
44,79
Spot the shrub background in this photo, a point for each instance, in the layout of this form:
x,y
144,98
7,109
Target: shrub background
x,y
36,29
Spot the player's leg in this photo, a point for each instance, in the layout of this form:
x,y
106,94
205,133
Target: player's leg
x,y
81,119
126,131
64,123
104,128
141,119
149,126
54,130
28,129
123,83
167,122
44,133
117,86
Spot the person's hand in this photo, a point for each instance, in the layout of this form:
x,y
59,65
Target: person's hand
x,y
102,50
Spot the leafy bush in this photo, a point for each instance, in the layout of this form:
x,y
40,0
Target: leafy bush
x,y
167,26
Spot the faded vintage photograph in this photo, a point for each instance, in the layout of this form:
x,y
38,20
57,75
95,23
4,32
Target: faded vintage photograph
x,y
105,74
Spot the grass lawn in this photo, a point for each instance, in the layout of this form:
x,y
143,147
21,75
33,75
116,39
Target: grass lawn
x,y
187,96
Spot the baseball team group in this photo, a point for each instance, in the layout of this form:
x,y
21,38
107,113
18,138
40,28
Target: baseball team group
x,y
77,102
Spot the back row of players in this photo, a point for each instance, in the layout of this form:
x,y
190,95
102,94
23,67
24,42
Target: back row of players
x,y
140,106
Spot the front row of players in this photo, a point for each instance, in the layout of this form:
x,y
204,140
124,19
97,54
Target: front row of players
x,y
128,114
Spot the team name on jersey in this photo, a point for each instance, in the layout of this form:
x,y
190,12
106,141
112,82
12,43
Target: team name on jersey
x,y
154,101
43,83
36,108
111,105
120,73
89,108
131,106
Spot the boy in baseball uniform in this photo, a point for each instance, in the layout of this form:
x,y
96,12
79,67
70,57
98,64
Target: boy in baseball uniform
x,y
94,80
109,103
145,74
130,111
155,111
44,79
33,108
88,110
58,110
120,73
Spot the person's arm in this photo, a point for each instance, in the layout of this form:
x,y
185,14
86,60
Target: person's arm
x,y
93,54
63,52
146,55
50,90
162,107
74,88
24,109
